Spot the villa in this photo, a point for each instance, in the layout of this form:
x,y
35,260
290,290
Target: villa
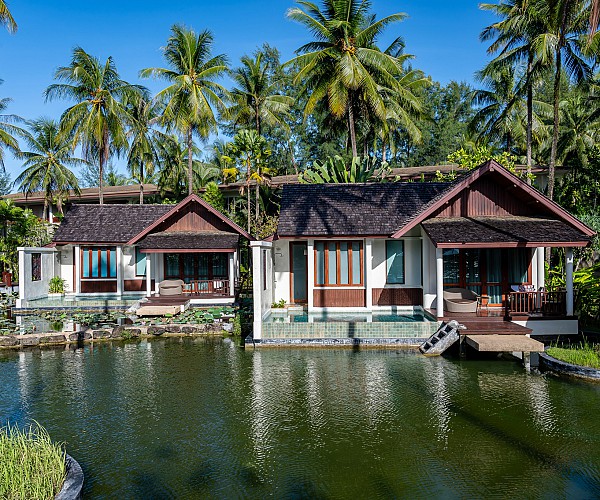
x,y
123,250
364,248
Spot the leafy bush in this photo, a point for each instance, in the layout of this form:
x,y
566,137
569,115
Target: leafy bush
x,y
280,304
57,285
335,170
586,283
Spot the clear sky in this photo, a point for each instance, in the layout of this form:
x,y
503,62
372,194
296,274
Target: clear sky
x,y
443,36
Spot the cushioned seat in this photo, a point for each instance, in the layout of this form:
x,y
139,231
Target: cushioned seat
x,y
460,300
171,287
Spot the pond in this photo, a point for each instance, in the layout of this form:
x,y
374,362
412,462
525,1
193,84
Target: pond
x,y
195,418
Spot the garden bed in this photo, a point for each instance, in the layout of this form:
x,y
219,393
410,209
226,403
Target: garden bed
x,y
576,360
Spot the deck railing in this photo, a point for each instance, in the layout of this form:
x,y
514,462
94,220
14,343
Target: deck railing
x,y
208,287
546,303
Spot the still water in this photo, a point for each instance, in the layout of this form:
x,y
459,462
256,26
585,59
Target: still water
x,y
197,418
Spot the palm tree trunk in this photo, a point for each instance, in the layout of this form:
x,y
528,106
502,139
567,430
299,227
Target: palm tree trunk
x,y
249,210
257,207
190,145
44,215
100,178
351,128
141,183
529,114
555,125
383,151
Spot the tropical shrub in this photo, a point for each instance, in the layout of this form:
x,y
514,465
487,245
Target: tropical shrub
x,y
334,169
57,285
586,283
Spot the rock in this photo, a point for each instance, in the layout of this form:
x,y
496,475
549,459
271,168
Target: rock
x,y
189,329
173,329
29,340
155,330
100,334
228,327
132,332
117,332
8,341
79,336
53,339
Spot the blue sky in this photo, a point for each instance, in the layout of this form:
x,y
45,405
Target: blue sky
x,y
441,34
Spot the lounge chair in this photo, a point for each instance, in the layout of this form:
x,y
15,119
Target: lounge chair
x,y
170,287
460,300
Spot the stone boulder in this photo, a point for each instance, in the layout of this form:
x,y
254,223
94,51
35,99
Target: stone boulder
x,y
8,341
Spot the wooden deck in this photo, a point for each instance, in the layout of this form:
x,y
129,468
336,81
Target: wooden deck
x,y
486,322
169,300
504,343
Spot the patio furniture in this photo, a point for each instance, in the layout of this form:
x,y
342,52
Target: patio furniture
x,y
171,287
460,300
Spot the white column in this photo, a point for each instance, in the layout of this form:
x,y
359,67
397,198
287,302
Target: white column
x,y
21,276
569,280
368,273
77,269
148,275
257,288
541,270
424,267
159,270
311,272
119,270
439,277
231,274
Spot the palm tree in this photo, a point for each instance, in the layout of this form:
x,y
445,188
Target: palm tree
x,y
343,65
567,22
47,163
6,17
255,97
8,130
143,157
99,118
192,96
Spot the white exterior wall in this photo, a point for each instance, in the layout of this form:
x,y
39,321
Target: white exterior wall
x,y
262,283
429,274
412,264
65,264
282,271
29,289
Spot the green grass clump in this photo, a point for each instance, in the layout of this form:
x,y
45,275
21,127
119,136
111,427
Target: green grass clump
x,y
583,354
31,465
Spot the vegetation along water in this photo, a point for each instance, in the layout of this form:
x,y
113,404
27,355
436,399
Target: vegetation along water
x,y
192,418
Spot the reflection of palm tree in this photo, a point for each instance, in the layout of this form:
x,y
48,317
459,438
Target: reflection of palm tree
x,y
97,121
6,18
343,65
192,95
47,164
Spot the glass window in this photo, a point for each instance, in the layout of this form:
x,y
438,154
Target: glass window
x,y
518,267
451,266
356,263
140,263
344,264
338,263
332,263
172,265
395,261
320,262
220,261
99,262
472,266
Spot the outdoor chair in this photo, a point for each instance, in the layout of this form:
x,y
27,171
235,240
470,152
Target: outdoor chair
x,y
170,287
460,300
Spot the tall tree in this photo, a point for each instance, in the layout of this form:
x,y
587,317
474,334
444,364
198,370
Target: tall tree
x,y
8,130
193,95
343,64
99,119
256,100
6,17
47,163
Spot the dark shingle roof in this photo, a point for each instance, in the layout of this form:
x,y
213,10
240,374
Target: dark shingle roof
x,y
512,229
106,223
352,209
206,240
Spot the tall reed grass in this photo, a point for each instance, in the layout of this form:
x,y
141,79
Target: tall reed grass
x,y
31,465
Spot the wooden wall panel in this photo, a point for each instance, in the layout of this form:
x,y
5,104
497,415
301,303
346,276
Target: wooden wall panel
x,y
397,296
339,297
137,285
486,198
194,218
98,286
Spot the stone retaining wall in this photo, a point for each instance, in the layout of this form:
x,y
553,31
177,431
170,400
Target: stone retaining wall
x,y
115,333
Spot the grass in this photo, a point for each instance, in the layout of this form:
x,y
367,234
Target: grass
x,y
31,465
582,354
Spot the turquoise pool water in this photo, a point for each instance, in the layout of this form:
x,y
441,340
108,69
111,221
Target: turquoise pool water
x,y
348,317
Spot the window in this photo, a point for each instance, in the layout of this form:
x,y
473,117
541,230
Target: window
x,y
394,250
140,263
36,266
264,266
338,263
99,262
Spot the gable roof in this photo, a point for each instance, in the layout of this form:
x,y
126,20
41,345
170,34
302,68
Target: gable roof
x,y
464,182
352,209
192,198
106,223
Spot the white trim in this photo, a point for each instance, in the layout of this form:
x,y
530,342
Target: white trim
x,y
439,277
569,280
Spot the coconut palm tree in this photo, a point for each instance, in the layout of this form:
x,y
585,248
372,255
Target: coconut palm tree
x,y
98,120
6,17
255,97
8,130
343,64
193,96
47,163
143,157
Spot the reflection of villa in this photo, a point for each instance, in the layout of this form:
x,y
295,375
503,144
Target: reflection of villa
x,y
386,246
121,250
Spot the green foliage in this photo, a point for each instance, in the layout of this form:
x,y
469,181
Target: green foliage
x,y
213,196
280,304
582,354
32,466
470,158
237,325
57,285
586,283
336,170
265,226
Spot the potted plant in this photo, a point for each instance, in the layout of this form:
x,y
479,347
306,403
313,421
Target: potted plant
x,y
56,287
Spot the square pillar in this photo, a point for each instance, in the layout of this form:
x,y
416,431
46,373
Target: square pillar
x,y
119,270
569,280
541,268
439,281
310,264
77,269
148,275
231,274
368,273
